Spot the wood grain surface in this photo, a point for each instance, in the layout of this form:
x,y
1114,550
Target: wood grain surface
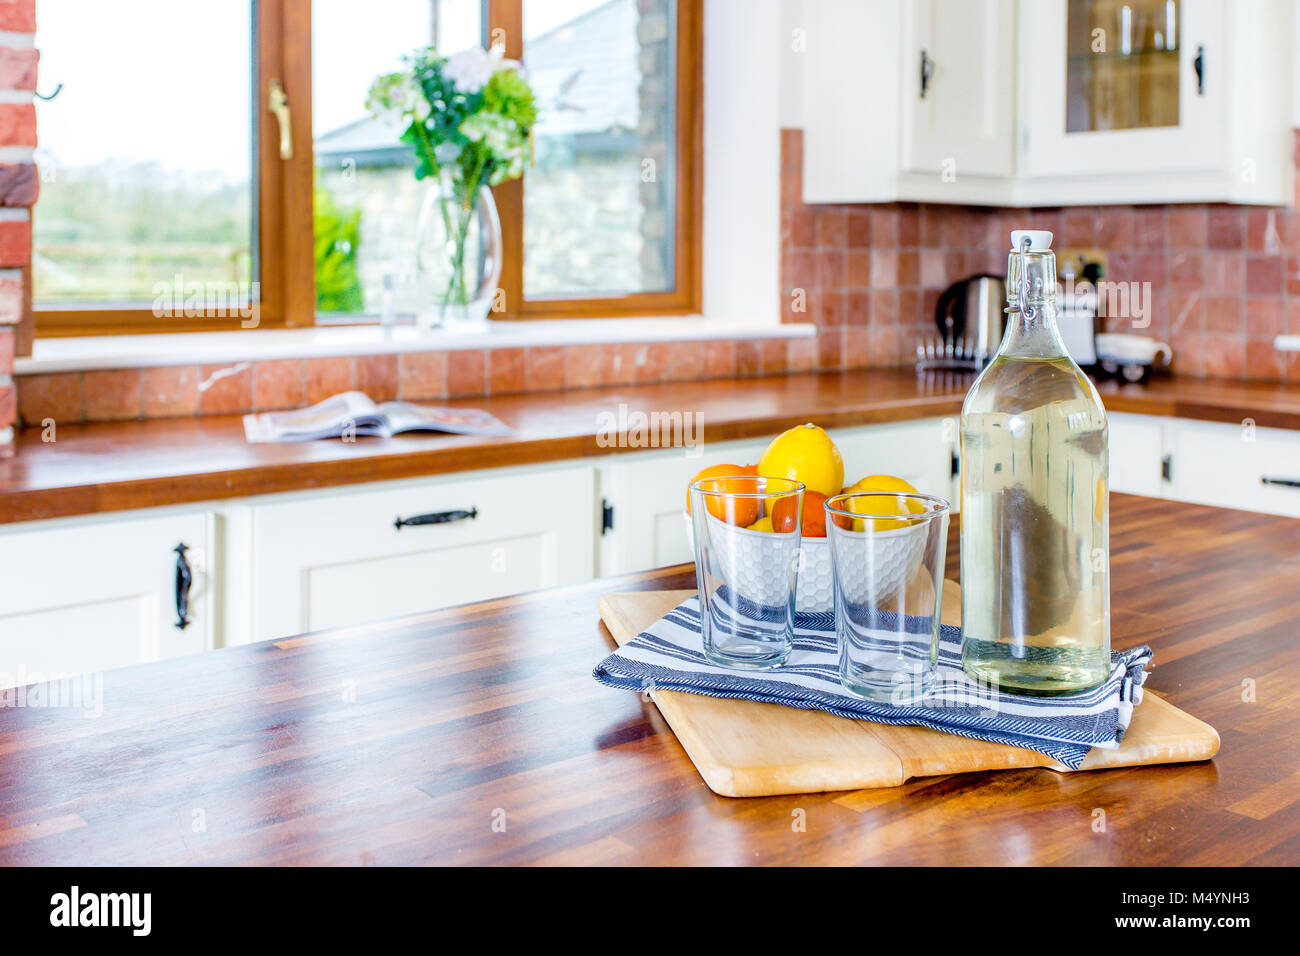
x,y
745,748
477,735
144,464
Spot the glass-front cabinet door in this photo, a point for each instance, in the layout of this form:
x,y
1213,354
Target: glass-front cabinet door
x,y
1109,81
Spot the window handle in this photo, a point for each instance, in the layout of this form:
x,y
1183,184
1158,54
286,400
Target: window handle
x,y
279,104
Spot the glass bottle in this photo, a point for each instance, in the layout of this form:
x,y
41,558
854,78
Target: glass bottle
x,y
1034,507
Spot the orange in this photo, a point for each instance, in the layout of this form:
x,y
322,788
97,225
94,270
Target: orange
x,y
741,511
814,514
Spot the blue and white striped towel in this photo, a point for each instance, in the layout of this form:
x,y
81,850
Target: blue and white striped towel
x,y
669,656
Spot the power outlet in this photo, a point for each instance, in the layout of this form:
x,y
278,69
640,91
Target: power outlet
x,y
1071,260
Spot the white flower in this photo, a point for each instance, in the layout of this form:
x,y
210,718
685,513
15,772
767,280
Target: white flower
x,y
394,99
470,69
497,133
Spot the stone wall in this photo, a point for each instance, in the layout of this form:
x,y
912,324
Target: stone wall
x,y
18,191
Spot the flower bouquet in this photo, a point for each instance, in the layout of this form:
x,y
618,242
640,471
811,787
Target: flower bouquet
x,y
468,118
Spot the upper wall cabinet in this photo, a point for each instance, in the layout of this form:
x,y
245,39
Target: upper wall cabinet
x,y
1052,102
958,108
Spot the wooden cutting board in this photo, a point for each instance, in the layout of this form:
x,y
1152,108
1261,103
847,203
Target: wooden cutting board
x,y
747,749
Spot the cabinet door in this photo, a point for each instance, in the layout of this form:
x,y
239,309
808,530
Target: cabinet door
x,y
959,88
339,559
918,452
849,66
647,491
1122,86
1137,449
88,597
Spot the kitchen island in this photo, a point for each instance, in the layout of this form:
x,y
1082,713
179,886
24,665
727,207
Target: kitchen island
x,y
476,735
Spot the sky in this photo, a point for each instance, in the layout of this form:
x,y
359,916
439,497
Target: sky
x,y
168,81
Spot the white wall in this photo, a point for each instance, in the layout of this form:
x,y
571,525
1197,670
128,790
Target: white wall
x,y
791,65
742,161
1295,65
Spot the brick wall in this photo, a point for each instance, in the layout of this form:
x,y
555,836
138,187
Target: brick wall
x,y
1224,280
18,188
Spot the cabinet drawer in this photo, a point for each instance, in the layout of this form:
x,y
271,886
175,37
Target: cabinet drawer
x,y
1225,465
338,560
89,597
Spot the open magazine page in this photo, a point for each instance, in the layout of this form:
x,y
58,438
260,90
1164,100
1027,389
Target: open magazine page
x,y
405,417
327,419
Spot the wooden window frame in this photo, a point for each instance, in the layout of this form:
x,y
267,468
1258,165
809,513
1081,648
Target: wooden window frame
x,y
505,24
284,234
281,195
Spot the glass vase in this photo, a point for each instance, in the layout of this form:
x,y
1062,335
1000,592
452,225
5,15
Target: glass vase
x,y
458,256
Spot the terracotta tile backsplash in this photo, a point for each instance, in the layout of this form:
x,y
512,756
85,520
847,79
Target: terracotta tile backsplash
x,y
1224,280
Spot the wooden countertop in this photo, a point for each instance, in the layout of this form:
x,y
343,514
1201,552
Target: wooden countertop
x,y
119,466
402,742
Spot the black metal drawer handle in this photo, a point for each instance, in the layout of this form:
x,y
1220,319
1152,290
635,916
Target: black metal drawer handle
x,y
1284,482
437,517
1198,64
927,71
184,578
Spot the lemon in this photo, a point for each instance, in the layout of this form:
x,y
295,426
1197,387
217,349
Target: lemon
x,y
762,524
881,504
805,453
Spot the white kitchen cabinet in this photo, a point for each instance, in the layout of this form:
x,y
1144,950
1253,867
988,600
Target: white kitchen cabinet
x,y
1137,454
646,491
338,559
919,452
958,109
644,496
1145,100
1237,466
86,597
851,69
1049,102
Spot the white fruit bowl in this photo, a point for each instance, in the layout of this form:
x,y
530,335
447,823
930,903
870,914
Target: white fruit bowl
x,y
874,573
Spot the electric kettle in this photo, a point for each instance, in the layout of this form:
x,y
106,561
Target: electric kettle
x,y
971,310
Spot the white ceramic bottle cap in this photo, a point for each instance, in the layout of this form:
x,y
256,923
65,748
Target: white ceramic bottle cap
x,y
1040,240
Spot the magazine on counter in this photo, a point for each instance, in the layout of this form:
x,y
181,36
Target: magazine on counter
x,y
354,413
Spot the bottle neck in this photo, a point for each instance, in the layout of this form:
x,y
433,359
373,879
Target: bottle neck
x,y
1031,307
1033,333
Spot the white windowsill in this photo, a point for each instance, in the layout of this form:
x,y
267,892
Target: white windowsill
x,y
212,348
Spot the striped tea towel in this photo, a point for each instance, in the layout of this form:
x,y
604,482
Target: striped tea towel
x,y
669,656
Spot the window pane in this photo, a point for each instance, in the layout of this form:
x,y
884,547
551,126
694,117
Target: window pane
x,y
146,153
367,197
599,202
1123,64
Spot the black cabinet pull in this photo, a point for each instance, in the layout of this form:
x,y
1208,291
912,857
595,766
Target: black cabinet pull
x,y
927,71
437,517
184,578
1198,64
1284,482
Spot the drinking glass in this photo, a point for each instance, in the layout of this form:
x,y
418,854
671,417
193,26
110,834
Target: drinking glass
x,y
746,576
887,557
